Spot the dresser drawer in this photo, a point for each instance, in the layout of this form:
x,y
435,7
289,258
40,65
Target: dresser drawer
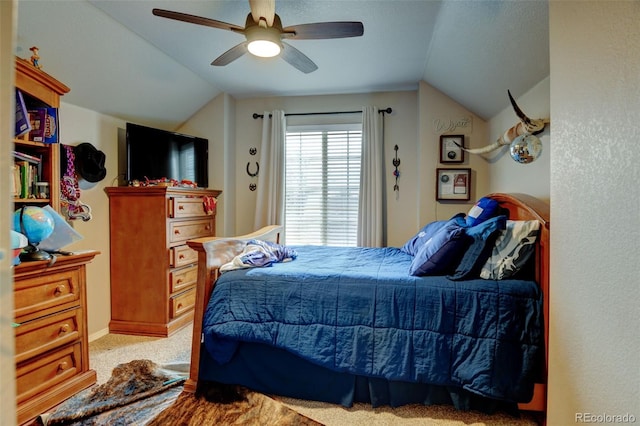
x,y
181,256
181,303
46,293
47,372
179,279
186,207
180,231
39,336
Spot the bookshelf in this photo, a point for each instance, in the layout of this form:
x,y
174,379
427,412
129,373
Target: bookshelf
x,y
39,90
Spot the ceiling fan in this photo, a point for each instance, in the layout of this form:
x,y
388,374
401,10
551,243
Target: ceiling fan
x,y
265,34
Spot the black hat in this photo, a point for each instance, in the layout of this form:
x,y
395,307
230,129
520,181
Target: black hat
x,y
89,162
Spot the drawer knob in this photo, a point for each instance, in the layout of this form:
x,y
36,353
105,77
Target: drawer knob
x,y
181,256
180,207
207,228
64,329
177,232
179,281
179,306
59,290
64,365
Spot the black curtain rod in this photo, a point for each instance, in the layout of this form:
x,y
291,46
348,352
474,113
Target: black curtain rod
x,y
383,111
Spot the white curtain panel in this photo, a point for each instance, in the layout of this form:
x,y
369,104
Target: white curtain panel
x,y
270,191
370,208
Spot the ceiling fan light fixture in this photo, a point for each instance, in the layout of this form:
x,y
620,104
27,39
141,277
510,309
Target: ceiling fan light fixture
x,y
263,42
264,48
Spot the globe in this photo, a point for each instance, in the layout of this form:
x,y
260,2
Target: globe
x,y
525,148
34,222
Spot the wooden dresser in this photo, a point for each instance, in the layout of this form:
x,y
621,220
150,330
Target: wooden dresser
x,y
153,271
51,338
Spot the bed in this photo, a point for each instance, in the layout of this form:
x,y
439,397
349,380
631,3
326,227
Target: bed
x,y
345,325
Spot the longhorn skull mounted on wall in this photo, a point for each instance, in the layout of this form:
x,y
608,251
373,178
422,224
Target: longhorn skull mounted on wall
x,y
525,146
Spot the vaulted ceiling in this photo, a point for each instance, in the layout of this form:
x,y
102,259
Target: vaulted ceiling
x,y
120,59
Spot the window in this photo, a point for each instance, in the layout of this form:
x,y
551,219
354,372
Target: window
x,y
322,182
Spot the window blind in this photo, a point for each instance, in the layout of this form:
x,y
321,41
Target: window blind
x,y
187,162
322,182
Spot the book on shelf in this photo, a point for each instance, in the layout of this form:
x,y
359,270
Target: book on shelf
x,y
38,119
43,124
27,157
24,179
25,176
23,125
15,185
51,128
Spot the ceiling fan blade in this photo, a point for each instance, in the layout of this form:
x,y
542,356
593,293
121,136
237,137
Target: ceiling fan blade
x,y
230,55
199,20
322,30
297,59
263,9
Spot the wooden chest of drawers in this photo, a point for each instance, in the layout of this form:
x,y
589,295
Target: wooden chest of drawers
x,y
153,271
51,339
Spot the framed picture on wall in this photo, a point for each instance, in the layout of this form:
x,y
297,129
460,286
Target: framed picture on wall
x,y
453,184
450,148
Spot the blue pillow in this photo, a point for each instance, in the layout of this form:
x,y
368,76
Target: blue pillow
x,y
412,246
484,209
441,252
483,237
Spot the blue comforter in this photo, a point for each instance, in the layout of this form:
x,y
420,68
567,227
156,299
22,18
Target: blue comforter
x,y
357,310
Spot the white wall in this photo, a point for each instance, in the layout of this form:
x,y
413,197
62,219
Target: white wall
x,y
435,111
506,175
594,365
79,125
215,122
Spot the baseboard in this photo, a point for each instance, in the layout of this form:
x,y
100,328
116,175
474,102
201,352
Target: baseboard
x,y
98,334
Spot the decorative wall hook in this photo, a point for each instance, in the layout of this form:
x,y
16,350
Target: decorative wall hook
x,y
396,172
257,169
253,150
252,186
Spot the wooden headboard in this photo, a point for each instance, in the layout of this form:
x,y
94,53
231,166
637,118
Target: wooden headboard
x,y
526,207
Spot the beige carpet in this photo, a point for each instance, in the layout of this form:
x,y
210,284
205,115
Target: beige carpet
x,y
111,350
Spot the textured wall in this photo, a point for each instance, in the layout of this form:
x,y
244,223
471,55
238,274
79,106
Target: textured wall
x,y
595,211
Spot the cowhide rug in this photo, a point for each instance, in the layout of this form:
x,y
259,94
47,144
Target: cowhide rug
x,y
145,394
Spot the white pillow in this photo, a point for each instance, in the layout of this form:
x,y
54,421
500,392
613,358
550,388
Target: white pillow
x,y
513,247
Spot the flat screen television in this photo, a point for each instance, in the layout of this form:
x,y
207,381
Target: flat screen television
x,y
159,154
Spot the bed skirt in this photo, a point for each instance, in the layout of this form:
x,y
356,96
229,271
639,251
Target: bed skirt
x,y
277,372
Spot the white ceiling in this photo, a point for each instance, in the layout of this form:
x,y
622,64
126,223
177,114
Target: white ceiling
x,y
121,60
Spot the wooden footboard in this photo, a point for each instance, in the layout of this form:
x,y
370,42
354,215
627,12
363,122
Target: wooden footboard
x,y
213,252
